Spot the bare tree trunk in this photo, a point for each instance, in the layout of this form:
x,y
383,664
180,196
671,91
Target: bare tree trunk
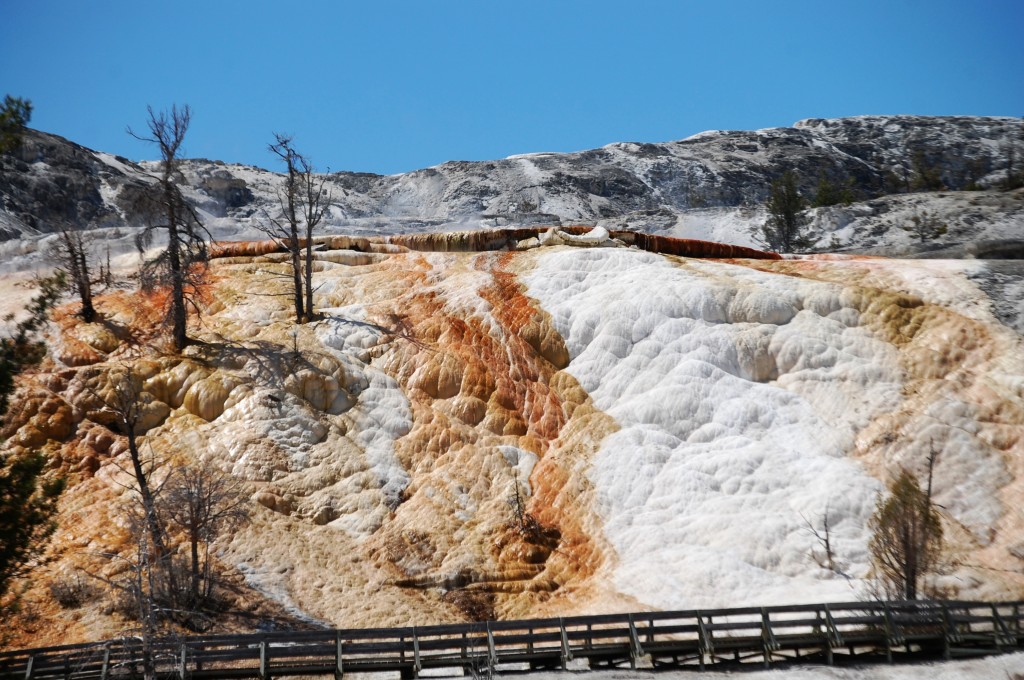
x,y
194,585
156,533
309,273
126,407
70,254
288,233
300,312
179,317
186,246
315,204
85,291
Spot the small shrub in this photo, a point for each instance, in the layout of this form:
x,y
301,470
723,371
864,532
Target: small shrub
x,y
71,592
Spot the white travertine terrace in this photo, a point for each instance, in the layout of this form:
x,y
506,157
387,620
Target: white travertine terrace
x,y
676,426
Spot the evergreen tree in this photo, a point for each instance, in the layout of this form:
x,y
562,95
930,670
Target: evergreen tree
x,y
925,175
906,537
830,193
924,226
14,116
786,228
27,501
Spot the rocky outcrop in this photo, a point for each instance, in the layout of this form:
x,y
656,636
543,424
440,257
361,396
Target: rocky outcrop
x,y
649,187
51,183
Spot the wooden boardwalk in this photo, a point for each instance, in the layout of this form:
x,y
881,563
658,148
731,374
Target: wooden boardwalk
x,y
751,637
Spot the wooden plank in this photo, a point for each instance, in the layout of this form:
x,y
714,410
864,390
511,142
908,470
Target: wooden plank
x,y
416,665
339,663
566,651
104,673
492,657
635,650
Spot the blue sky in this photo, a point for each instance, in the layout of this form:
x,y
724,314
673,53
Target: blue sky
x,y
387,87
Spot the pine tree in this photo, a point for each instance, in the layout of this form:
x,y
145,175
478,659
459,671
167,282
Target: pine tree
x,y
14,116
786,228
925,175
27,501
924,226
829,193
906,537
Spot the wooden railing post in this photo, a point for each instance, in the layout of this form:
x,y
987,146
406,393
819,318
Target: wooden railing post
x,y
104,673
183,663
704,642
768,641
416,667
826,647
339,667
264,661
832,635
492,653
29,666
893,636
1001,632
635,650
566,651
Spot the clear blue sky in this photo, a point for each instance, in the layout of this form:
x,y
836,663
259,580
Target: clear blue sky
x,y
388,87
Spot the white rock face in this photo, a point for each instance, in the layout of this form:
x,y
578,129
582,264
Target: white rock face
x,y
738,394
381,413
563,430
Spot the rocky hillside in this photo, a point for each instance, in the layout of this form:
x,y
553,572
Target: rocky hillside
x,y
711,185
519,417
670,449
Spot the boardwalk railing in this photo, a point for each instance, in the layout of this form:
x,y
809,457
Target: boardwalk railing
x,y
756,636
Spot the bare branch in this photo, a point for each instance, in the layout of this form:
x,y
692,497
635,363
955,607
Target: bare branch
x,y
182,264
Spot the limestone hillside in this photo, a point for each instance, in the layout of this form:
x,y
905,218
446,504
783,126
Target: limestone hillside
x,y
674,425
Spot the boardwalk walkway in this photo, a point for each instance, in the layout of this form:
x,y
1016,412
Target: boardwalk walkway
x,y
751,637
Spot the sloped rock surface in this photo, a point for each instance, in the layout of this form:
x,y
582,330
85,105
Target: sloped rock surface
x,y
561,430
648,187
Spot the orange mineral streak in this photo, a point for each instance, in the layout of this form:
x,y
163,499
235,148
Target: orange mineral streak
x,y
486,240
245,250
479,379
480,365
537,351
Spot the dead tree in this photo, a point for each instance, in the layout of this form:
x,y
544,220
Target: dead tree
x,y
202,501
125,403
315,204
284,228
71,252
182,264
523,522
827,558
